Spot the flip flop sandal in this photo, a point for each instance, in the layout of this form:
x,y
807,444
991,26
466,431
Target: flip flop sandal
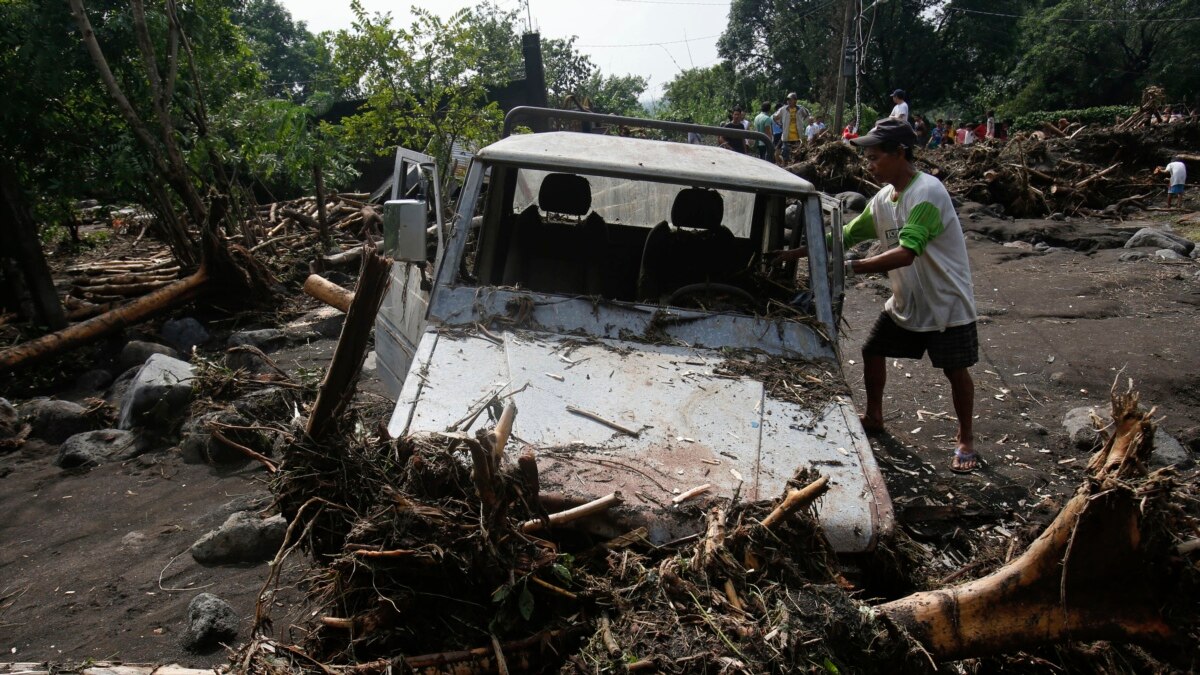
x,y
963,456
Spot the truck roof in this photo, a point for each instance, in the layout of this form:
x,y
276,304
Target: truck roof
x,y
639,158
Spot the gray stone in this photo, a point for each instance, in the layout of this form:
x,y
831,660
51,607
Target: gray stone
x,y
136,352
1169,254
1058,377
158,396
93,448
791,216
1079,426
323,322
1132,256
1195,254
200,447
852,201
211,622
270,404
243,538
55,421
1167,451
11,429
93,381
266,339
116,391
1057,217
1154,238
183,334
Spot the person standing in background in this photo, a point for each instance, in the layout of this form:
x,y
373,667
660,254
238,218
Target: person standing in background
x,y
762,124
792,117
1176,172
991,124
900,110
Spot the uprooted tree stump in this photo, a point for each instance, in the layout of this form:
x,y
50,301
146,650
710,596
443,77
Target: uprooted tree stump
x,y
1087,577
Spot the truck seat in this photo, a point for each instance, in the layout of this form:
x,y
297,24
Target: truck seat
x,y
564,252
694,248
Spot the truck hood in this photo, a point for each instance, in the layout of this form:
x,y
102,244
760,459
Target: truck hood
x,y
693,427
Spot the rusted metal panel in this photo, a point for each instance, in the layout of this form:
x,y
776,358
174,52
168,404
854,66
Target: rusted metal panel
x,y
662,161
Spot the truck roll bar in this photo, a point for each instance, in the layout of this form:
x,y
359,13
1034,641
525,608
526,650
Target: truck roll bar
x,y
530,112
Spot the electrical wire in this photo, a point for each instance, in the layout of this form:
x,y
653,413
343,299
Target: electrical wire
x,y
652,44
1068,20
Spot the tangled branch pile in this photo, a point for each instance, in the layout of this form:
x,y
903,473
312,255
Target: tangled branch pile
x,y
1095,172
435,555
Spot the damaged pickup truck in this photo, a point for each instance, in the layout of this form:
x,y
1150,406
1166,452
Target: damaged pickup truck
x,y
617,291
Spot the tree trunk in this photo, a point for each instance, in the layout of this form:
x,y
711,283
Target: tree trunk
x,y
1085,578
20,236
163,299
338,386
322,217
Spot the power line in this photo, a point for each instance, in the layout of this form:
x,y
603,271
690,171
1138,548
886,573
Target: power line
x,y
654,44
1069,20
676,2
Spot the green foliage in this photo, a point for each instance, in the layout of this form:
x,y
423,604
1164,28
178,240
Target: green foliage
x,y
1100,115
1082,53
295,61
700,95
421,85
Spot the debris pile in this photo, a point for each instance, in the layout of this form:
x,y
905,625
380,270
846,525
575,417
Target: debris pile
x,y
434,554
1092,172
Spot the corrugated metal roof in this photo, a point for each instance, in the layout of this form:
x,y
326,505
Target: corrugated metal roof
x,y
700,165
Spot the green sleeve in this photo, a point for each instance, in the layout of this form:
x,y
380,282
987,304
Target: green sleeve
x,y
924,223
861,229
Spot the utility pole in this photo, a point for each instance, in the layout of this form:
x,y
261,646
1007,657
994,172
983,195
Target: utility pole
x,y
840,108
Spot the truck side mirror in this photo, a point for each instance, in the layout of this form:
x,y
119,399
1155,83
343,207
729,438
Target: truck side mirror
x,y
404,229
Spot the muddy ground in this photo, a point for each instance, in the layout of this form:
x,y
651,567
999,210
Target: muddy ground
x,y
94,564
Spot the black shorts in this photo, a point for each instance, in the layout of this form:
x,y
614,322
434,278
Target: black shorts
x,y
956,347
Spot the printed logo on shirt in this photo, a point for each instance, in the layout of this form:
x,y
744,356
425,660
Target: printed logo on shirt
x,y
892,236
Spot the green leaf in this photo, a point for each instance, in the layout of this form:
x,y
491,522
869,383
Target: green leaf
x,y
830,667
562,573
525,603
501,593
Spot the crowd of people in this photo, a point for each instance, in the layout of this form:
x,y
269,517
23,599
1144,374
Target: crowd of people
x,y
790,125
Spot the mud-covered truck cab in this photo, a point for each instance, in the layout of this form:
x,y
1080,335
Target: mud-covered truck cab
x,y
616,289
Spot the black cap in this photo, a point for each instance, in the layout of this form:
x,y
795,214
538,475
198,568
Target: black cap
x,y
887,129
901,94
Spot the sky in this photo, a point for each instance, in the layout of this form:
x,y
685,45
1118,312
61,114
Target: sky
x,y
651,38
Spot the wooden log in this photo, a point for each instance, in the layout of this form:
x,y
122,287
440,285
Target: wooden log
x,y
570,515
125,290
338,386
162,299
1083,579
328,292
796,500
606,422
349,255
1096,176
301,217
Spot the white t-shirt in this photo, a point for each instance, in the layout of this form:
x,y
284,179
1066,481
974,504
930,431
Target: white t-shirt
x,y
811,130
900,111
934,292
1178,173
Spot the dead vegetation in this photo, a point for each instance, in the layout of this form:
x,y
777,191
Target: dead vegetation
x,y
1093,172
433,553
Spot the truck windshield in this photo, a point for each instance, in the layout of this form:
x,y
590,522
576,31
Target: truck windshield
x,y
621,201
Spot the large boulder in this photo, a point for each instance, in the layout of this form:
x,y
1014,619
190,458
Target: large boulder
x,y
183,334
243,538
116,391
55,421
211,622
1169,254
93,448
1080,428
93,381
852,201
1151,237
1167,451
136,352
159,395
